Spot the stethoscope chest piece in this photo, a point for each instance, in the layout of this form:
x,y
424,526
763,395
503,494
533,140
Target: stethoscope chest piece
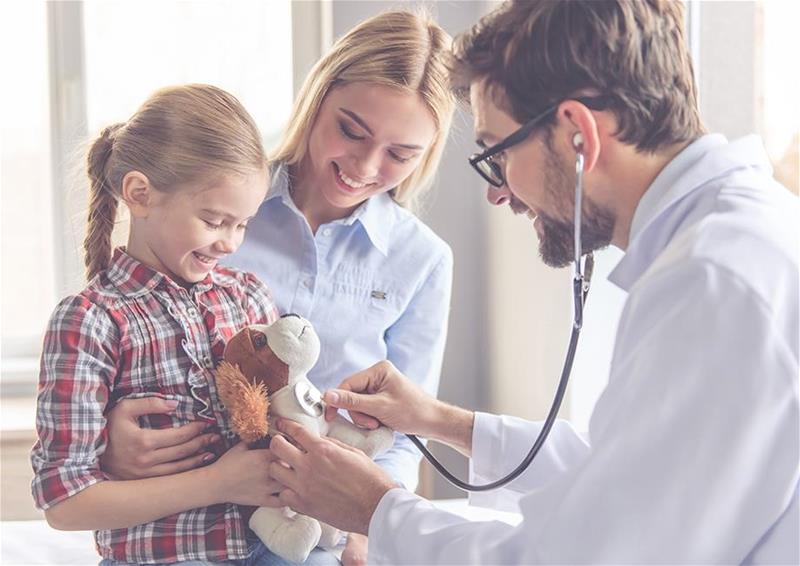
x,y
309,399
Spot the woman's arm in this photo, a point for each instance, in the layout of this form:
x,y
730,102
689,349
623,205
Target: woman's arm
x,y
415,345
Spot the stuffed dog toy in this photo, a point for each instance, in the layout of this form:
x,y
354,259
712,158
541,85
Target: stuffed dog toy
x,y
263,377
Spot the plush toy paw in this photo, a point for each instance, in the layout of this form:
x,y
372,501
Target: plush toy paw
x,y
291,536
331,537
378,441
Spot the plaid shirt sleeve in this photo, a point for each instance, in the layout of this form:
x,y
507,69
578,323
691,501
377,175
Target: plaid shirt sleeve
x,y
78,365
260,306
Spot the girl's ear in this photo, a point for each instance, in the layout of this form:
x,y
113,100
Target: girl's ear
x,y
137,192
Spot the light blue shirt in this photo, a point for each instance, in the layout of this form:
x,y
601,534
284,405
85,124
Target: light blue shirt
x,y
375,285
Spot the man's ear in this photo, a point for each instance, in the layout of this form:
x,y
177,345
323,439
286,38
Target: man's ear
x,y
580,124
137,193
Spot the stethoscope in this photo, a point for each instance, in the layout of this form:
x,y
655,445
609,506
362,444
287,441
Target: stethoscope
x,y
580,289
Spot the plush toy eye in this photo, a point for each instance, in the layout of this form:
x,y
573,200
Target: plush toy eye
x,y
259,340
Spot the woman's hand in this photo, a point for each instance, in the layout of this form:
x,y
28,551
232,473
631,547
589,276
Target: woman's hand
x,y
242,476
136,453
383,395
327,479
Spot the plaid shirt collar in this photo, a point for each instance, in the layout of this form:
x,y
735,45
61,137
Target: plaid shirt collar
x,y
132,278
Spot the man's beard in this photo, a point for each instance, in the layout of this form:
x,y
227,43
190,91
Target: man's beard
x,y
557,241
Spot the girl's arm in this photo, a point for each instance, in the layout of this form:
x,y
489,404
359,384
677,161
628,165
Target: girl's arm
x,y
79,361
239,476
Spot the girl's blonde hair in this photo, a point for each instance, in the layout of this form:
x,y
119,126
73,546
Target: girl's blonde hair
x,y
180,135
399,49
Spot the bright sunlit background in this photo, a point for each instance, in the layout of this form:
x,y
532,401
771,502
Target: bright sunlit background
x,y
70,68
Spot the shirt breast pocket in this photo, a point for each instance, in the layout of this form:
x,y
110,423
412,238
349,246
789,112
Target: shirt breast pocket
x,y
367,296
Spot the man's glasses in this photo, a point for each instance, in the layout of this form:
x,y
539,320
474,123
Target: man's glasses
x,y
485,162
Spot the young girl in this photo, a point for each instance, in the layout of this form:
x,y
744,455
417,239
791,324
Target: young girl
x,y
335,239
152,322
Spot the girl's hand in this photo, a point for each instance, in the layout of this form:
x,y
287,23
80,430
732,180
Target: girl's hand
x,y
242,476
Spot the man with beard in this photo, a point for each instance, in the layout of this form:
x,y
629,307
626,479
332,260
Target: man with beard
x,y
692,452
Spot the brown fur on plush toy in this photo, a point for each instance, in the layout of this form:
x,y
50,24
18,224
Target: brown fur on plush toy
x,y
246,403
244,380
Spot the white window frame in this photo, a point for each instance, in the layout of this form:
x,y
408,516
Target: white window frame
x,y
19,363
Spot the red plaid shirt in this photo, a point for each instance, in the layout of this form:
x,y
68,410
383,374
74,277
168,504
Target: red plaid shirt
x,y
135,333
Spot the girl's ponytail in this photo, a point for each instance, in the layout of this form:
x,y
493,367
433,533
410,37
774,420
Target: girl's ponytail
x,y
102,203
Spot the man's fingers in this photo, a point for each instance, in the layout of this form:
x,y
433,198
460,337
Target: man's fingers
x,y
365,421
348,400
283,450
133,408
330,412
283,475
359,419
297,432
358,382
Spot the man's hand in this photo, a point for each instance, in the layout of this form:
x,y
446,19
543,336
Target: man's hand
x,y
355,551
383,395
135,453
327,479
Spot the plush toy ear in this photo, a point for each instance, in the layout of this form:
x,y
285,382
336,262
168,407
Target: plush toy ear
x,y
257,361
246,403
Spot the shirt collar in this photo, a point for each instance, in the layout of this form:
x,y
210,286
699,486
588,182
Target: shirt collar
x,y
707,158
132,278
376,215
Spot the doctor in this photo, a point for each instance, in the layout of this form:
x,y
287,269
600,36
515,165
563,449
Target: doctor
x,y
692,452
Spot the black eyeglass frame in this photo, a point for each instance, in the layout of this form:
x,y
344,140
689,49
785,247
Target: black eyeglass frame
x,y
592,102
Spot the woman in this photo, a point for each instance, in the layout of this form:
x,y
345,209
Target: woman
x,y
336,240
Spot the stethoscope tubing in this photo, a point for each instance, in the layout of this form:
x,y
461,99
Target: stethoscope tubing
x,y
580,289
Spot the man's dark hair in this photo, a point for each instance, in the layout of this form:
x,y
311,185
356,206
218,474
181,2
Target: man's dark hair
x,y
540,52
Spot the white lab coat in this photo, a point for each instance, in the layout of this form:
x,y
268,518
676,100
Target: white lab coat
x,y
692,453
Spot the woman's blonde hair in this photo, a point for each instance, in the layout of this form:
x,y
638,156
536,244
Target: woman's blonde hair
x,y
399,49
180,135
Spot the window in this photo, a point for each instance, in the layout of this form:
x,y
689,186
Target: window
x,y
777,45
26,235
86,65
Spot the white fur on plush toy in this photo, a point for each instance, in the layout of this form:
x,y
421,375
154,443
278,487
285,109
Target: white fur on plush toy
x,y
293,340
